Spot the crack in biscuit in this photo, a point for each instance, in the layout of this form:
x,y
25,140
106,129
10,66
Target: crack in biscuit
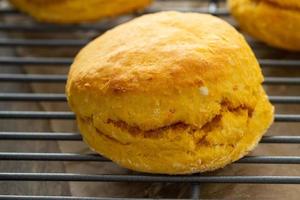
x,y
135,130
206,128
109,137
155,133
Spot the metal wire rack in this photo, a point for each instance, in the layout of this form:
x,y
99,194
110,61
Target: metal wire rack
x,y
212,7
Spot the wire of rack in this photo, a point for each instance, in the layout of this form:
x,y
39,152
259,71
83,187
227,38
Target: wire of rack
x,y
195,180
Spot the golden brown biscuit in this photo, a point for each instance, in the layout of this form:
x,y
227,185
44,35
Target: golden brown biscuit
x,y
75,11
276,22
169,93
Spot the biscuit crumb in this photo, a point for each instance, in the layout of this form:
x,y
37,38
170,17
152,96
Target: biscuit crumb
x,y
204,91
87,85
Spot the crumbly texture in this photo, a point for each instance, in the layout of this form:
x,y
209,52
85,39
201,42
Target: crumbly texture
x,y
76,11
169,93
276,22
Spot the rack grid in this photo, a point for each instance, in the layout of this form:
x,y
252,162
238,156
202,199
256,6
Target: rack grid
x,y
212,7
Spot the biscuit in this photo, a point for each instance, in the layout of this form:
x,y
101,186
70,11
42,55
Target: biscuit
x,y
169,93
76,11
275,22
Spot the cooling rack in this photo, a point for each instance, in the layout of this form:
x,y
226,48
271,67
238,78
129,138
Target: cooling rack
x,y
12,41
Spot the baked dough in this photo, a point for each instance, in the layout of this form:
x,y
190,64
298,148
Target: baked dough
x,y
169,93
75,11
276,22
